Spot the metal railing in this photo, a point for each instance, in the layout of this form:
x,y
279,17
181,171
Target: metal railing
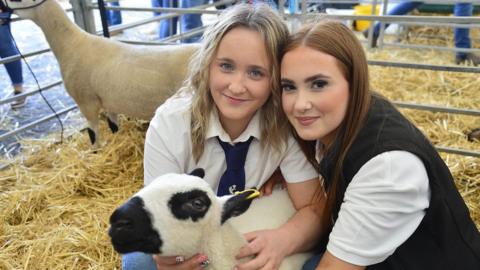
x,y
37,122
23,95
467,22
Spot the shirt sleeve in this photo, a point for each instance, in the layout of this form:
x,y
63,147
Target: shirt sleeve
x,y
383,206
162,148
295,166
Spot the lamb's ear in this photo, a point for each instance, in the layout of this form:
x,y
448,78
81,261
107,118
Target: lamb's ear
x,y
199,172
238,203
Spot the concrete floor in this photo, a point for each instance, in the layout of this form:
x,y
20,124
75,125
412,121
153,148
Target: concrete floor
x,y
45,67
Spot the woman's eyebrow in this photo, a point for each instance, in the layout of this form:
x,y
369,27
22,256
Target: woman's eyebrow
x,y
306,80
316,77
285,80
224,59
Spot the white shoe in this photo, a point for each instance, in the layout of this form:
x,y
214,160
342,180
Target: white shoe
x,y
19,102
151,29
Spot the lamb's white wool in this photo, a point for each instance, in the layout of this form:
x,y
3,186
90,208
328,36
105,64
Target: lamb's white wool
x,y
177,235
103,74
201,231
270,212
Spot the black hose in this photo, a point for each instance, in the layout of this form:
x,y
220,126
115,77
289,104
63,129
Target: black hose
x,y
103,17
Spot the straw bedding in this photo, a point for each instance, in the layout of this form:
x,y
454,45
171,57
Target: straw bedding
x,y
55,202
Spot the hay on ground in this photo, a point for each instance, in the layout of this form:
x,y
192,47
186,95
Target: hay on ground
x,y
55,203
55,206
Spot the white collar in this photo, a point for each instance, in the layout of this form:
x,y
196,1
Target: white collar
x,y
215,128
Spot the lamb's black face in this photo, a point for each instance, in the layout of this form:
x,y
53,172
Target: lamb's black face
x,y
131,229
192,204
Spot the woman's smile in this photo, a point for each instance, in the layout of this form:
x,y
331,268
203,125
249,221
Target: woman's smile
x,y
234,100
306,120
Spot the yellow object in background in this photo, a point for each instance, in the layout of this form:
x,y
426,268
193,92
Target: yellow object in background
x,y
364,10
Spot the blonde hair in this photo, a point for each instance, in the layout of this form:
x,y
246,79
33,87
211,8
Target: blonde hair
x,y
264,20
335,39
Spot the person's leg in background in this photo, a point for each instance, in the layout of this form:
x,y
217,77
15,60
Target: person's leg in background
x,y
220,7
138,260
292,6
114,17
276,2
191,21
156,4
168,27
14,69
399,9
154,27
462,36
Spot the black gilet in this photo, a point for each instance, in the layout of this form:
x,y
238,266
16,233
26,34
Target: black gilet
x,y
447,238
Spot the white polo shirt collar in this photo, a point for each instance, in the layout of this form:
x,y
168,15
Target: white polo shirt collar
x,y
215,129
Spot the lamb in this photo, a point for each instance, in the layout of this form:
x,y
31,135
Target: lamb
x,y
179,214
100,73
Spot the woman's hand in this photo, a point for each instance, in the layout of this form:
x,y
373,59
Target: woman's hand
x,y
197,262
276,178
269,248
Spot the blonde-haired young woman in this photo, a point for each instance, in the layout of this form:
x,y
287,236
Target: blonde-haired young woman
x,y
227,102
390,200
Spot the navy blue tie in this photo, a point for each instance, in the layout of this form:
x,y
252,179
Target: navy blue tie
x,y
233,179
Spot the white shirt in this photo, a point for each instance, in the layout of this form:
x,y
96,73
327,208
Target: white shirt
x,y
383,206
168,148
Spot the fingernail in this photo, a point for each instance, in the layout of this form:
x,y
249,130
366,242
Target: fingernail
x,y
179,259
203,261
202,258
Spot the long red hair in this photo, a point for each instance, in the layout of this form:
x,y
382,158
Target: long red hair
x,y
334,38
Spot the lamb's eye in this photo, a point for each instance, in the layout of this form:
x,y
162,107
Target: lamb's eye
x,y
198,204
190,205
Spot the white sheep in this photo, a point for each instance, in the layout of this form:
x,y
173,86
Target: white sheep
x,y
179,214
100,73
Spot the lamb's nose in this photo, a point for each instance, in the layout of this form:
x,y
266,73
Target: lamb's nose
x,y
120,225
121,219
123,223
127,217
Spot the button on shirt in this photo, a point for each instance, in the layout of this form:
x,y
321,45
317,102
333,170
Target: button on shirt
x,y
168,149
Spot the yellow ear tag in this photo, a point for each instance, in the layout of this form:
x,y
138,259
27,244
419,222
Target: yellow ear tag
x,y
255,193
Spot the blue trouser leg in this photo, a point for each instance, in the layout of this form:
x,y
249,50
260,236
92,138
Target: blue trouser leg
x,y
312,263
156,4
292,6
191,21
138,261
462,35
400,9
114,16
168,27
7,48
